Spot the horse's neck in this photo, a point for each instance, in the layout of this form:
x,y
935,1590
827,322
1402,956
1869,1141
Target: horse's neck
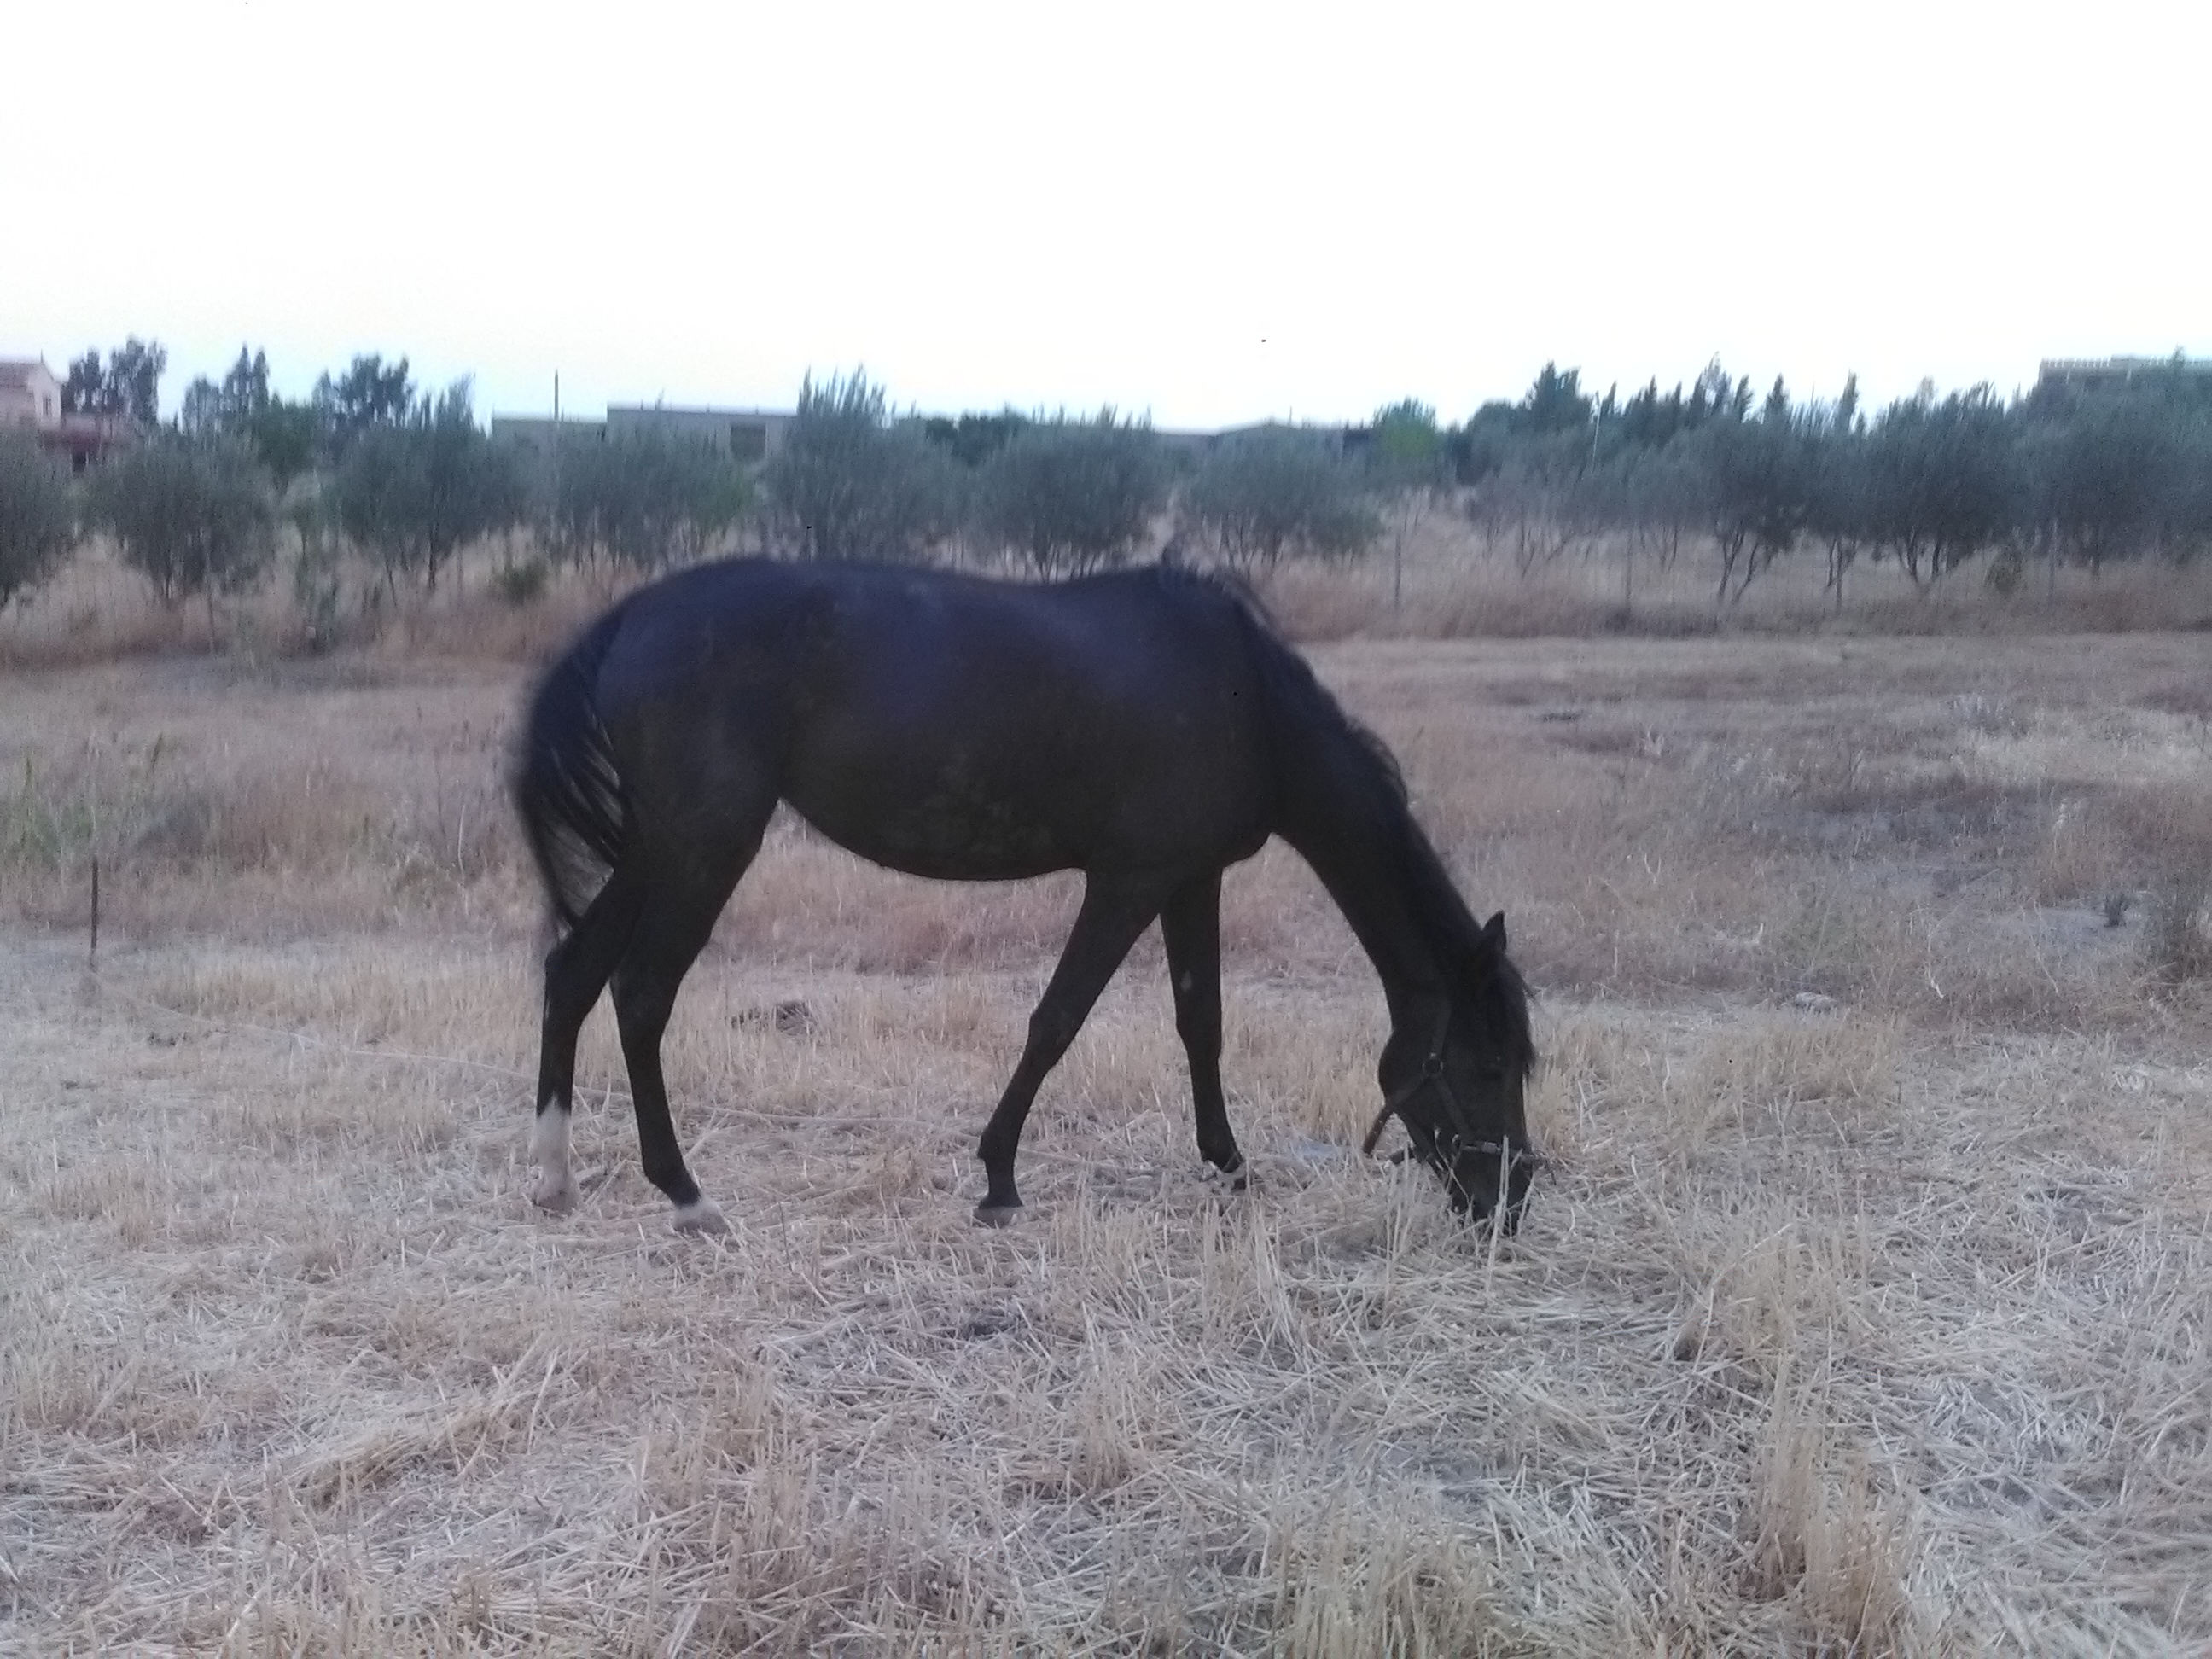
x,y
1354,841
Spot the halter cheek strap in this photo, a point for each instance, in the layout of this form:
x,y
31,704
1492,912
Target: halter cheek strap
x,y
1432,1072
1432,1075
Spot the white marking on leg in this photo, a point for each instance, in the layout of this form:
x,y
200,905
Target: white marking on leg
x,y
549,1150
701,1216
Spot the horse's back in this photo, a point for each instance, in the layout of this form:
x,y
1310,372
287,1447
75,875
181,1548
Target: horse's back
x,y
955,727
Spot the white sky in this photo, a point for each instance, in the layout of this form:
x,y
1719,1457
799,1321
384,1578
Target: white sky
x,y
1213,212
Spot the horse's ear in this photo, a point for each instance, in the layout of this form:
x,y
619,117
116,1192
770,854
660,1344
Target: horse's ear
x,y
1493,933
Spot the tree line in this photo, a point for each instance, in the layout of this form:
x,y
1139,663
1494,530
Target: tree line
x,y
404,476
375,470
2088,473
1060,494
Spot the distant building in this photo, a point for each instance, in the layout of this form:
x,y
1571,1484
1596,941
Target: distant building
x,y
2100,374
31,400
748,434
541,434
30,395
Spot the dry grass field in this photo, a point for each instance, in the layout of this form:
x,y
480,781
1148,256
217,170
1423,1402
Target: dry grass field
x,y
1865,1308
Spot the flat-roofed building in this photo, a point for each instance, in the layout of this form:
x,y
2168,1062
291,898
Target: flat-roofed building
x,y
2101,373
541,434
749,434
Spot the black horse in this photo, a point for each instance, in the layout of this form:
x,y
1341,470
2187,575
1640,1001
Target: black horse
x,y
1148,728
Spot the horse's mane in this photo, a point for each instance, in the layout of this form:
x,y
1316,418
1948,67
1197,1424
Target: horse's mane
x,y
1486,977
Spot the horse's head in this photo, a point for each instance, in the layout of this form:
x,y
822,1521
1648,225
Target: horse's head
x,y
1459,1086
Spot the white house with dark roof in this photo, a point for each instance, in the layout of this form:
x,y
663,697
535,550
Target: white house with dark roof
x,y
29,394
31,401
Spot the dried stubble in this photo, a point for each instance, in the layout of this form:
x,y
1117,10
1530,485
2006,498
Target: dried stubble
x,y
1876,1325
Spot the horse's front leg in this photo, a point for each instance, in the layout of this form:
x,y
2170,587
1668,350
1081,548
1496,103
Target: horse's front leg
x,y
1190,924
1116,910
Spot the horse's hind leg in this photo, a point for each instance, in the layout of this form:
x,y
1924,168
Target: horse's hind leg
x,y
1115,910
673,926
1190,927
576,971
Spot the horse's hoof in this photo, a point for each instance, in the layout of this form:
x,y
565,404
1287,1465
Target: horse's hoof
x,y
996,1215
556,1197
700,1215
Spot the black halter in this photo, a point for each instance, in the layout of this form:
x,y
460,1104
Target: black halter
x,y
1432,1075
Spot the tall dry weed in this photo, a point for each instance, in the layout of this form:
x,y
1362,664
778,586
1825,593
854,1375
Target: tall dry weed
x,y
1824,1538
2178,940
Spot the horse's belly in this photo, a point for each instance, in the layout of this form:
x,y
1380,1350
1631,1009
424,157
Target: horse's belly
x,y
1013,797
949,835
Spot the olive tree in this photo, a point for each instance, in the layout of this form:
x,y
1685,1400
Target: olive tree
x,y
38,521
973,437
1407,462
371,393
416,492
1655,497
1840,502
1759,488
646,501
849,482
1544,497
2185,518
1259,497
284,435
1942,481
2097,477
192,517
130,384
1072,496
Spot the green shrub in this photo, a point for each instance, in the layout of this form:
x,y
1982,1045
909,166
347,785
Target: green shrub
x,y
520,584
38,521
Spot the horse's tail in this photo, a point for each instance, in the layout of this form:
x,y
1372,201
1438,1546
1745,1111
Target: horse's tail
x,y
567,787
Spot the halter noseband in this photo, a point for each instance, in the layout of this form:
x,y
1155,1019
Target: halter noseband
x,y
1432,1075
